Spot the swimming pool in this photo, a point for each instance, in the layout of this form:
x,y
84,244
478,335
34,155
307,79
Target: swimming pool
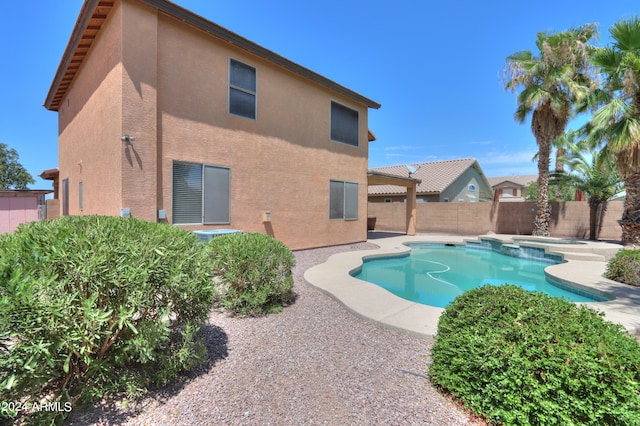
x,y
436,274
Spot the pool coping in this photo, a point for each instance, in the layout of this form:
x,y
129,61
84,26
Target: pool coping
x,y
374,303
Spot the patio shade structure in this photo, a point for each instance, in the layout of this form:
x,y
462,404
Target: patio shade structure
x,y
380,178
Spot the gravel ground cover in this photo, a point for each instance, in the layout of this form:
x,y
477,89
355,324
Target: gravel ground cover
x,y
314,363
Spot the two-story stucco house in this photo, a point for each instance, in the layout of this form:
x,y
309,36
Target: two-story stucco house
x,y
166,116
511,188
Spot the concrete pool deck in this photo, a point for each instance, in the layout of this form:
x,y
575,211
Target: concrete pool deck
x,y
584,268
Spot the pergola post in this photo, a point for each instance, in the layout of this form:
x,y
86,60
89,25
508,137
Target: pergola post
x,y
378,178
411,209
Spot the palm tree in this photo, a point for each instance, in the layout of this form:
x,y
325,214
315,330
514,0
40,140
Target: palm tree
x,y
550,83
593,172
560,144
617,123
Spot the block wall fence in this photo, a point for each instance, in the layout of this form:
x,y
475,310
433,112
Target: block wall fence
x,y
568,218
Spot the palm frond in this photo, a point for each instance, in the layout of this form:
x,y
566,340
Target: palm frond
x,y
594,99
626,34
520,56
610,113
606,57
533,95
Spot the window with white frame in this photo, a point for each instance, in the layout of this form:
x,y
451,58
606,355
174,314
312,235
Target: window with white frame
x,y
344,124
343,200
201,194
242,89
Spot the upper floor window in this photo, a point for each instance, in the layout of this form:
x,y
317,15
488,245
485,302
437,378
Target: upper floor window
x,y
344,124
242,89
471,187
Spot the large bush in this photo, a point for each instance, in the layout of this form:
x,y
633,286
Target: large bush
x,y
253,271
625,267
519,357
93,304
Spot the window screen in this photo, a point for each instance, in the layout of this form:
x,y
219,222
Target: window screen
x,y
350,200
81,196
336,200
65,197
187,193
201,194
242,89
344,124
343,200
217,195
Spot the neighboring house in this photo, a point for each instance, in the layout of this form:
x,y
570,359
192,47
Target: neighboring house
x,y
511,188
166,116
453,180
20,206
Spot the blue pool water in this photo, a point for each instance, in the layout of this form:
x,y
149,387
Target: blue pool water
x,y
435,275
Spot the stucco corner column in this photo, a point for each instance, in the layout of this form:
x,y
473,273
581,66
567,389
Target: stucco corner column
x,y
411,209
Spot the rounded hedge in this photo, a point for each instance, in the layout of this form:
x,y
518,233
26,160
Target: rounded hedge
x,y
253,271
625,267
519,357
92,304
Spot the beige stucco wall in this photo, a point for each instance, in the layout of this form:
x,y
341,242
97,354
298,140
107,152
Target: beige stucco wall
x,y
166,84
281,162
568,218
139,158
90,125
53,208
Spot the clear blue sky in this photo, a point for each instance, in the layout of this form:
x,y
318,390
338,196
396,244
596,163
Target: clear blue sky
x,y
435,67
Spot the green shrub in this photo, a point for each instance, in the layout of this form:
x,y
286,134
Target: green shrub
x,y
254,273
91,304
625,267
519,357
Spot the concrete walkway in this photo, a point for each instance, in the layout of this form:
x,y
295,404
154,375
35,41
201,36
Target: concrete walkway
x,y
584,268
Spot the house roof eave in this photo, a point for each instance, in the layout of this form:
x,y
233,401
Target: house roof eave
x,y
92,15
380,178
89,22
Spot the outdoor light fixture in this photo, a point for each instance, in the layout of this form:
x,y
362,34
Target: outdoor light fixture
x,y
127,138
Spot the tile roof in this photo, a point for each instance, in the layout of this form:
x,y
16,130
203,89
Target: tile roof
x,y
523,180
435,176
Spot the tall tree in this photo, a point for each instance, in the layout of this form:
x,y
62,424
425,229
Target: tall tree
x,y
549,84
12,174
617,122
593,172
560,144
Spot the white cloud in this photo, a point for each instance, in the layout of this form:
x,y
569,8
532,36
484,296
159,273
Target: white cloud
x,y
505,163
502,157
400,148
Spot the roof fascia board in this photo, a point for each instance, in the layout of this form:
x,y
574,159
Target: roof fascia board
x,y
76,35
